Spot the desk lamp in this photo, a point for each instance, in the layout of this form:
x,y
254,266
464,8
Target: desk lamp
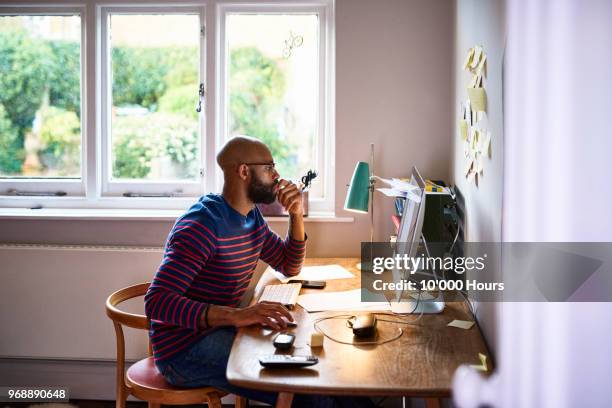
x,y
361,192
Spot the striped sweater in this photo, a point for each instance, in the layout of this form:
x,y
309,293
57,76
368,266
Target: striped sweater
x,y
209,258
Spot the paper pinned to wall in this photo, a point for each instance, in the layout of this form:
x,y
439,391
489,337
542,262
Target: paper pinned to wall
x,y
487,144
478,98
468,59
482,64
476,58
463,128
479,166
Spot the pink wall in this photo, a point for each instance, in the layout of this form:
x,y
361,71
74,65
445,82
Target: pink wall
x,y
394,87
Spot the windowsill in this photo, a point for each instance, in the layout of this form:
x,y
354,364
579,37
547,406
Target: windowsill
x,y
129,215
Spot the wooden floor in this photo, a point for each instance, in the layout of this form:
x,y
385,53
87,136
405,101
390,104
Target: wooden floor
x,y
90,404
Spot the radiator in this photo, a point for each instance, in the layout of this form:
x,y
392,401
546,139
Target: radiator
x,y
52,299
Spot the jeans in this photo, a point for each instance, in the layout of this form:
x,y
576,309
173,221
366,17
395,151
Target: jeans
x,y
205,362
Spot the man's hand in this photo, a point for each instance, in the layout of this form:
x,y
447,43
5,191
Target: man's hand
x,y
264,313
290,197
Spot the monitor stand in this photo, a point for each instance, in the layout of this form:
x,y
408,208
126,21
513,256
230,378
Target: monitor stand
x,y
430,306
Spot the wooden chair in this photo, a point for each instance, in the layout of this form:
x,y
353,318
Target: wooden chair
x,y
142,379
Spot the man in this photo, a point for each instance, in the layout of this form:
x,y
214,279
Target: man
x,y
209,259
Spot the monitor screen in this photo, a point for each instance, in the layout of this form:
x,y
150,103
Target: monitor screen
x,y
411,224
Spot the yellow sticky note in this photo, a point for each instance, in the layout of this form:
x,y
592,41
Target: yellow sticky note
x,y
461,324
463,129
468,59
483,363
476,57
481,65
473,82
478,99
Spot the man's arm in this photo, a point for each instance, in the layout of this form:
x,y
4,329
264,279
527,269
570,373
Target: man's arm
x,y
189,246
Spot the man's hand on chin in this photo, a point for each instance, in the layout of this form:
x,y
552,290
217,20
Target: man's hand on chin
x,y
290,197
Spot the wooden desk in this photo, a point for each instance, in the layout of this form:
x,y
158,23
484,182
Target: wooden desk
x,y
419,364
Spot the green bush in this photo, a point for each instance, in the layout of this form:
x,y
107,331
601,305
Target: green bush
x,y
181,100
24,67
11,154
60,135
138,140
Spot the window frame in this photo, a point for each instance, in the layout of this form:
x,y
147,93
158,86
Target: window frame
x,y
90,191
70,186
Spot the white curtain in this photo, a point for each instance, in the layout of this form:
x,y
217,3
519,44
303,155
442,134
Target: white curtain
x,y
557,187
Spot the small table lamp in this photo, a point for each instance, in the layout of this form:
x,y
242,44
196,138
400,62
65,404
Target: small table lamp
x,y
361,192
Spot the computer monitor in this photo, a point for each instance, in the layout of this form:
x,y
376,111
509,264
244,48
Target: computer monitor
x,y
407,243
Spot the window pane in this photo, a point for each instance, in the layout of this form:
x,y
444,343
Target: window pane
x,y
40,96
155,131
273,85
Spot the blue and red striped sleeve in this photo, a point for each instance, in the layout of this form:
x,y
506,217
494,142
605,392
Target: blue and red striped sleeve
x,y
187,250
285,256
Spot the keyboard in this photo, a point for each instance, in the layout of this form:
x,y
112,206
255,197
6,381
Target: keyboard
x,y
286,294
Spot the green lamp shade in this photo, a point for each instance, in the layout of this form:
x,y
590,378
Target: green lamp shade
x,y
358,196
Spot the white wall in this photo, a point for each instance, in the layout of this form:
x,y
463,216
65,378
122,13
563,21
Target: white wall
x,y
481,22
393,88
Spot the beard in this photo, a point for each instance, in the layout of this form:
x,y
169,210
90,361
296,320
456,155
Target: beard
x,y
259,192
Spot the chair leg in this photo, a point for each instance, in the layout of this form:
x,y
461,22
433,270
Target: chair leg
x,y
284,400
121,398
154,405
433,403
213,400
241,402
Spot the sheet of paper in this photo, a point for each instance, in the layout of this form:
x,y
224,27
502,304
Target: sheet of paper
x,y
318,273
463,128
399,184
476,58
466,149
468,59
394,192
486,144
461,324
473,82
479,164
478,98
349,300
481,65
472,177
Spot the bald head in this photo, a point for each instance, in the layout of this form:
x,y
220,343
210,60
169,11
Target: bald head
x,y
242,149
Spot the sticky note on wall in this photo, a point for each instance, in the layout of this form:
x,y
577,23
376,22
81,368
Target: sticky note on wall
x,y
478,99
463,129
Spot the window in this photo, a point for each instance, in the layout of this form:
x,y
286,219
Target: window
x,y
40,102
153,136
111,121
274,86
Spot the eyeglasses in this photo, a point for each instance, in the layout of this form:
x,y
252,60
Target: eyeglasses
x,y
269,166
